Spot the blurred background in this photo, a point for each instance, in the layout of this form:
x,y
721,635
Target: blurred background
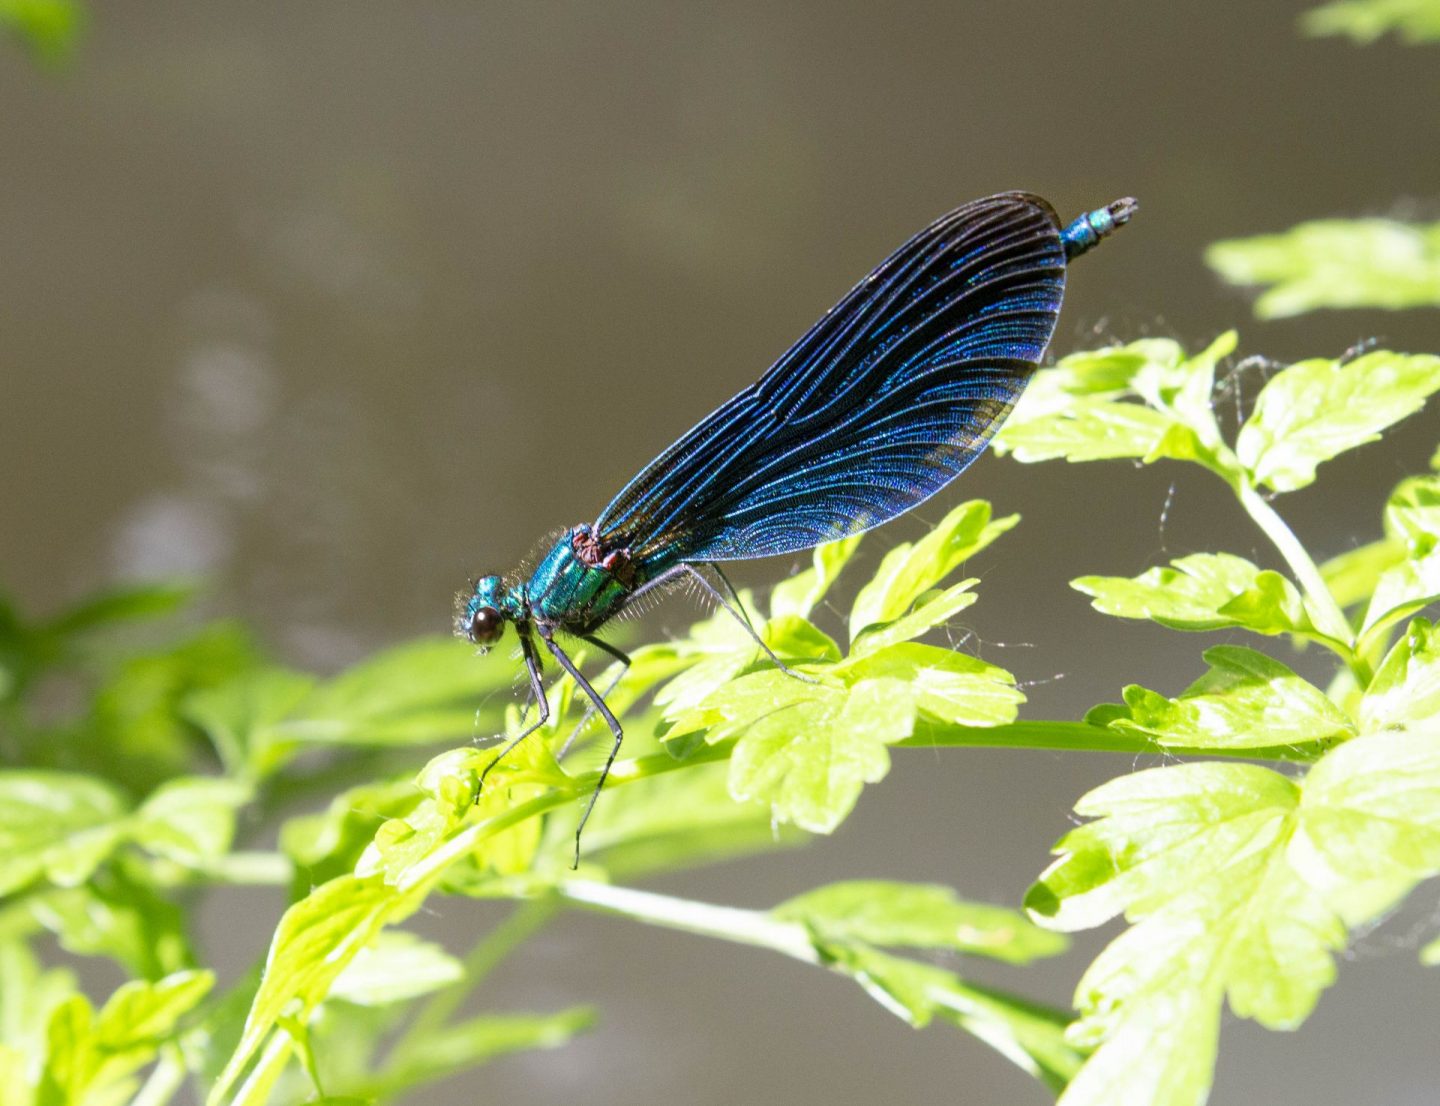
x,y
335,305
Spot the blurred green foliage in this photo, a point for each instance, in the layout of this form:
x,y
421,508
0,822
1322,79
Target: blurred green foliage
x,y
47,29
1365,21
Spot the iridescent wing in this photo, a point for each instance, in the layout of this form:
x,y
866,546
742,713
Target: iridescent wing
x,y
885,401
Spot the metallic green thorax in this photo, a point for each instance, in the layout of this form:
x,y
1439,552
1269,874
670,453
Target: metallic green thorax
x,y
577,587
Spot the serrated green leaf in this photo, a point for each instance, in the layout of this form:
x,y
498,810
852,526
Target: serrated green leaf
x,y
1336,263
1315,410
1085,430
1372,821
397,967
1365,21
1239,883
913,568
951,686
55,826
810,760
1406,686
1204,591
933,608
1078,411
919,915
1246,700
1406,589
1412,514
800,593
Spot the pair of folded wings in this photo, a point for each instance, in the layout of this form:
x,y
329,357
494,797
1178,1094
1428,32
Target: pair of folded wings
x,y
881,404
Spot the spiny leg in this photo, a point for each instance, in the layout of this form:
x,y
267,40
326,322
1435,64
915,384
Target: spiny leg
x,y
610,720
741,617
537,690
624,659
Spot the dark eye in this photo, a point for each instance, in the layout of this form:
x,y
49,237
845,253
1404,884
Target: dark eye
x,y
485,626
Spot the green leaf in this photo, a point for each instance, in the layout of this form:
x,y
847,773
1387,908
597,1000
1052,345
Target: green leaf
x,y
1365,21
130,604
1076,410
1315,410
810,759
1336,263
1406,687
54,826
1028,1035
316,939
1239,883
15,1088
919,915
1204,591
1352,576
1086,430
329,844
1246,700
1401,591
141,1013
30,995
1372,821
421,692
1412,514
399,966
117,913
800,593
933,608
950,686
913,568
241,717
190,820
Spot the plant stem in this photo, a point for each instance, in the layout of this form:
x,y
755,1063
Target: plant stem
x,y
164,1080
1083,737
1060,736
1331,618
728,923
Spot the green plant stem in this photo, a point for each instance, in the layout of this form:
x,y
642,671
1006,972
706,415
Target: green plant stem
x,y
1083,737
728,923
1060,736
1331,618
979,1010
496,945
164,1080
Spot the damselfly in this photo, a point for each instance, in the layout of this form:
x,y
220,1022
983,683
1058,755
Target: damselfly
x,y
880,405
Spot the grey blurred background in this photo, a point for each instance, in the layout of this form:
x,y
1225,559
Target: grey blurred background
x,y
337,304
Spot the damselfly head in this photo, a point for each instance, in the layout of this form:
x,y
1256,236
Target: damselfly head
x,y
481,620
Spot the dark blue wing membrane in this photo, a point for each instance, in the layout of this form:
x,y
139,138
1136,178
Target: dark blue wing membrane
x,y
886,399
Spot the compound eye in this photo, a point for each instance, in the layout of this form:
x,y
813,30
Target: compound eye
x,y
486,626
